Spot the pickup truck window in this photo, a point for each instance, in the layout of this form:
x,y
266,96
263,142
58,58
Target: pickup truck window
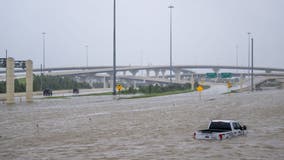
x,y
236,125
220,126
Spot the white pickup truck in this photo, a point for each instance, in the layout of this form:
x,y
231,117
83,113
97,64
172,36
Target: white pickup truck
x,y
221,129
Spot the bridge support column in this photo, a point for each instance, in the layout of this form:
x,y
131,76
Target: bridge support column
x,y
241,82
216,70
110,80
134,84
10,86
29,81
192,82
134,72
267,71
282,85
124,73
148,73
105,82
177,74
156,73
163,71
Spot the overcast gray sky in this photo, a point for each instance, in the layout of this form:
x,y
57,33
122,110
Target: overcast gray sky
x,y
204,31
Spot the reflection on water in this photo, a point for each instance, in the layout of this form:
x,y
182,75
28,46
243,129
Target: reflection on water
x,y
151,128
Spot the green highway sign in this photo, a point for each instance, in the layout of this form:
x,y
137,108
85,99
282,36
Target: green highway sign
x,y
211,75
226,75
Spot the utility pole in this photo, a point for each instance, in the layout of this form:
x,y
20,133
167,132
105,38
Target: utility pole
x,y
252,87
237,57
249,53
114,47
43,49
171,42
87,55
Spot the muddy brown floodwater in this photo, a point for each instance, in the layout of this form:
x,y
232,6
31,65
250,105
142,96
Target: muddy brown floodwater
x,y
100,127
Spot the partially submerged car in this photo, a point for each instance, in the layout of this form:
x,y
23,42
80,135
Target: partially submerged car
x,y
221,129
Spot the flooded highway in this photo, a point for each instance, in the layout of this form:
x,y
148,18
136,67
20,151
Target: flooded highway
x,y
101,127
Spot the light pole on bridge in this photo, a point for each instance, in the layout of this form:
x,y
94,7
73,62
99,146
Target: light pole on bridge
x,y
43,49
249,37
114,48
87,55
171,42
252,87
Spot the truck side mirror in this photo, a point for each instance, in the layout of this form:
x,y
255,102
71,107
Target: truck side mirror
x,y
244,127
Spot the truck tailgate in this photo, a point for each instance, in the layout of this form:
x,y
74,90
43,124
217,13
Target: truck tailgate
x,y
199,135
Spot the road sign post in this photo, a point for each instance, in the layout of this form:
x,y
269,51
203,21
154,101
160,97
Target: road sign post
x,y
229,85
119,87
199,89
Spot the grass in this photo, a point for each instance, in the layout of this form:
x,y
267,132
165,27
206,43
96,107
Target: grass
x,y
97,94
56,97
158,94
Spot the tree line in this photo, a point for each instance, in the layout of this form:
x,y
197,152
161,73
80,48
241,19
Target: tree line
x,y
42,81
156,88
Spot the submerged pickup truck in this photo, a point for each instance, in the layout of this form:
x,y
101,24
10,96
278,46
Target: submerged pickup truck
x,y
221,129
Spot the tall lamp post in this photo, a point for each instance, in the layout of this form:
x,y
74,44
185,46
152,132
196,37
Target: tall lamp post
x,y
252,87
237,57
87,55
42,66
43,49
249,53
114,47
171,42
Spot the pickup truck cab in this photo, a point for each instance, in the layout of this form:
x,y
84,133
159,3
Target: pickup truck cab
x,y
221,129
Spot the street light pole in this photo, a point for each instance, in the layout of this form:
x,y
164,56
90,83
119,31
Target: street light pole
x,y
237,57
43,49
87,55
249,53
114,47
252,87
171,42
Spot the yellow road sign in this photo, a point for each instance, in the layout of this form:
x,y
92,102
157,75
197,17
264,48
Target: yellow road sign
x,y
229,85
119,87
199,88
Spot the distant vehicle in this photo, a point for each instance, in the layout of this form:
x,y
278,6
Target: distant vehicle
x,y
221,129
75,91
47,92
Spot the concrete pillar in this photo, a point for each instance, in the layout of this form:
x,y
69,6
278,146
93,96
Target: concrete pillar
x,y
216,70
124,73
148,73
192,82
105,83
134,84
134,72
163,71
10,86
29,81
157,71
110,80
177,74
267,71
111,83
241,82
281,85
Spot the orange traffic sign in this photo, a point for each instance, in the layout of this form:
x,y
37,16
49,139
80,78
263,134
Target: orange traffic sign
x,y
119,87
199,88
229,85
